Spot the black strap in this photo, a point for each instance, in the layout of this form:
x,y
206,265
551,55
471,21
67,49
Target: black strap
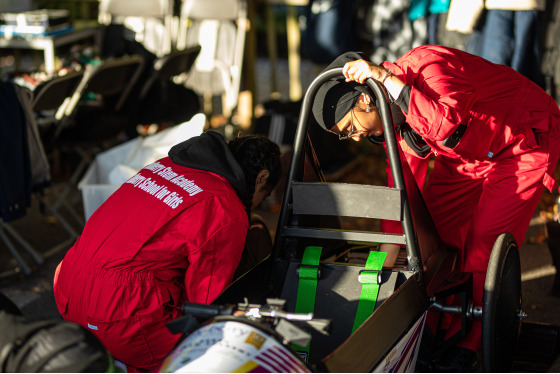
x,y
398,120
376,139
453,139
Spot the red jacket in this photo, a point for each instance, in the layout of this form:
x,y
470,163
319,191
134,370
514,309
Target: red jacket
x,y
169,234
502,109
491,182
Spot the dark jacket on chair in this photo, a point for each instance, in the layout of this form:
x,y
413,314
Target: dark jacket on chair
x,y
15,166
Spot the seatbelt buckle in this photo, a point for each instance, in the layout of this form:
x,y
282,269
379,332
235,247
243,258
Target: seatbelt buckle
x,y
369,277
318,268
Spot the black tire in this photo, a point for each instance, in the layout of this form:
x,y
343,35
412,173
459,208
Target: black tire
x,y
501,306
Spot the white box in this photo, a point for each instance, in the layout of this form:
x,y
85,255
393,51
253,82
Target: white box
x,y
112,168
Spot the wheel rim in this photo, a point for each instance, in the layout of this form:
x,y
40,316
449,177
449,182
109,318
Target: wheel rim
x,y
501,306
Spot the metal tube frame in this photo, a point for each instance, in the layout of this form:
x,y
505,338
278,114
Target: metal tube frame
x,y
295,172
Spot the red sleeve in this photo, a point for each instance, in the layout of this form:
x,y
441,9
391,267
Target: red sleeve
x,y
441,93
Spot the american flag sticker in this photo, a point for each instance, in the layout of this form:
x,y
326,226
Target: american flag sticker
x,y
280,361
402,357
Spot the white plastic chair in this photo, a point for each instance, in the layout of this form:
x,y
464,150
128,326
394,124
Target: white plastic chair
x,y
219,27
151,20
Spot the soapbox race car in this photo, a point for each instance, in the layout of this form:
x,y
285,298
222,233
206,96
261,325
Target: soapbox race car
x,y
284,307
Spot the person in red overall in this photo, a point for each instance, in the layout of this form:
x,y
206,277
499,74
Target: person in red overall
x,y
172,233
495,136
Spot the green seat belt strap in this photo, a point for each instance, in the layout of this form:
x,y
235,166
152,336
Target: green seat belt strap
x,y
308,273
370,278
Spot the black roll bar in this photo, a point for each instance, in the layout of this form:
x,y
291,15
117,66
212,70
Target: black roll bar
x,y
296,166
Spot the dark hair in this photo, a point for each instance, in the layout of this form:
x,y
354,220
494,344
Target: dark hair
x,y
255,153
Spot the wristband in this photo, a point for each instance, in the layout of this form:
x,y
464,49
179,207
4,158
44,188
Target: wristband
x,y
386,75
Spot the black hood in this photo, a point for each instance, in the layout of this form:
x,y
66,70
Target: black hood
x,y
210,152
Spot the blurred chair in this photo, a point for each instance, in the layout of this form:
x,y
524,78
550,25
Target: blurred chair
x,y
51,97
219,27
48,103
97,109
163,97
98,113
150,20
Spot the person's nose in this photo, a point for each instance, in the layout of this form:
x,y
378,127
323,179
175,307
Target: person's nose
x,y
376,132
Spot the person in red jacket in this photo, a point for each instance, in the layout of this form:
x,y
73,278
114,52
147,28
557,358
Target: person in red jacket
x,y
172,233
495,136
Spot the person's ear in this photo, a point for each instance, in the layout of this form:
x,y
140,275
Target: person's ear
x,y
365,99
262,177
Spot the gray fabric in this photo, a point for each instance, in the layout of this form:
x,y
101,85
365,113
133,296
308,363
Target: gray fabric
x,y
551,53
393,32
40,169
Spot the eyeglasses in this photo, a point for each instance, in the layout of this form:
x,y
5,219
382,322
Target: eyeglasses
x,y
353,132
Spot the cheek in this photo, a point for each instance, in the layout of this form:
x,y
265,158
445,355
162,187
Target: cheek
x,y
378,127
374,125
258,197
